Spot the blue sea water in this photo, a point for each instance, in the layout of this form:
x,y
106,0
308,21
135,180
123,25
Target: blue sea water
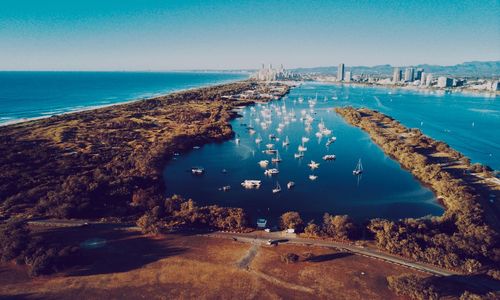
x,y
384,189
26,95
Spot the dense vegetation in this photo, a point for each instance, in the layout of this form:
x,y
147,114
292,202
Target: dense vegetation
x,y
176,212
339,227
108,162
41,255
465,237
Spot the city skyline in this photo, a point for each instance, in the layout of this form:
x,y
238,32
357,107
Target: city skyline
x,y
168,35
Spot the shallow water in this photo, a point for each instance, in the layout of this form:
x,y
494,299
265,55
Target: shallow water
x,y
383,190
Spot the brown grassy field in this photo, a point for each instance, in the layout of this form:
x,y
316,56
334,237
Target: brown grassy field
x,y
184,266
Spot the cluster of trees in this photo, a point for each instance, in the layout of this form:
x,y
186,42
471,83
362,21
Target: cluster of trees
x,y
428,288
334,226
175,212
461,238
18,244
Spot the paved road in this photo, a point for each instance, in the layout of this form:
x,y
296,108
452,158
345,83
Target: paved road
x,y
263,237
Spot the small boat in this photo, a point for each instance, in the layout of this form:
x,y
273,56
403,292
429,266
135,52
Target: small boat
x,y
326,131
313,177
269,151
313,165
258,139
329,157
237,141
251,131
270,146
263,163
286,142
319,134
223,171
272,136
251,184
197,171
196,147
359,168
290,184
277,189
271,172
276,159
331,141
298,155
301,148
225,188
176,154
305,139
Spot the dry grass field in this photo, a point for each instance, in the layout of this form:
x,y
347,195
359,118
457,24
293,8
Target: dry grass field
x,y
184,266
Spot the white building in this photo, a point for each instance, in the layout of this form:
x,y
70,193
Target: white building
x,y
444,82
348,76
409,74
271,74
396,75
422,78
428,80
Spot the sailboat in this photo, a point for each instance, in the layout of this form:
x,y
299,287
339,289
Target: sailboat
x,y
237,140
359,168
276,159
298,155
286,142
277,189
313,165
258,139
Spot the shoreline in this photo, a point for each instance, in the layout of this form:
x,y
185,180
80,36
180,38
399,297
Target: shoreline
x,y
433,90
93,107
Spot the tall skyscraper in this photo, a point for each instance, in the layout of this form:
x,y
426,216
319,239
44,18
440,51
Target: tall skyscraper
x,y
422,77
409,74
340,72
396,76
428,79
418,76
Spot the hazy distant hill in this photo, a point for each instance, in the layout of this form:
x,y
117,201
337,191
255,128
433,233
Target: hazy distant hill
x,y
468,69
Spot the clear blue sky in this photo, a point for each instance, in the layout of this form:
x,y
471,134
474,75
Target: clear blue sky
x,y
184,34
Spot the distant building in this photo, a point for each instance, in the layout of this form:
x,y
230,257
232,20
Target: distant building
x,y
422,78
271,74
409,74
444,82
340,72
396,75
495,86
348,76
418,75
428,79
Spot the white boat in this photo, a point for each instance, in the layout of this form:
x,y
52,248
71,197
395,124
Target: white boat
x,y
196,147
329,157
225,188
331,141
258,139
359,168
298,155
286,142
237,141
313,165
305,139
197,171
276,159
263,163
313,177
272,136
319,134
302,148
326,131
277,189
290,184
251,131
271,172
251,184
270,146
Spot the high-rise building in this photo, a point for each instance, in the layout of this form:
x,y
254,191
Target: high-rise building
x,y
444,82
340,72
348,76
428,79
422,78
409,74
418,75
396,75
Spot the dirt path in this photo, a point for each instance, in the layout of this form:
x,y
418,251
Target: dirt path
x,y
249,256
282,283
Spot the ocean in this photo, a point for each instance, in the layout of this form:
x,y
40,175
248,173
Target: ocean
x,y
28,95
